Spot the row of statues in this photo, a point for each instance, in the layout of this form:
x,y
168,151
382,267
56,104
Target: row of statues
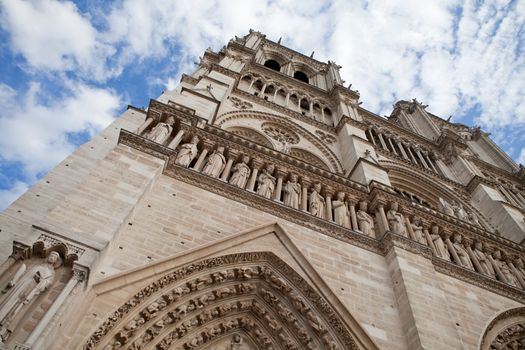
x,y
457,210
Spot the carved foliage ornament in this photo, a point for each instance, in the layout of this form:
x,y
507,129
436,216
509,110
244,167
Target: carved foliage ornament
x,y
240,104
248,295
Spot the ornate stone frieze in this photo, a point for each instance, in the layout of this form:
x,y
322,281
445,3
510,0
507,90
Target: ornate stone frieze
x,y
327,138
240,104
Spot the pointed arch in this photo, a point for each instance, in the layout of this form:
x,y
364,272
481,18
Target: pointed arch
x,y
251,135
328,157
308,157
505,331
212,293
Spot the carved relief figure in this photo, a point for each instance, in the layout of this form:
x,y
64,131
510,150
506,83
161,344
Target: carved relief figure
x,y
484,262
317,202
365,220
292,192
187,152
441,250
459,211
520,266
446,207
505,269
236,343
241,173
23,288
417,228
341,213
266,182
215,163
463,256
396,220
160,132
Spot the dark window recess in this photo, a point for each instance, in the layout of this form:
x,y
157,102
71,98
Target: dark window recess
x,y
301,76
273,64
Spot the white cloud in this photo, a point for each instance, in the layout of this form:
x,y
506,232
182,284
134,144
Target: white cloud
x,y
36,134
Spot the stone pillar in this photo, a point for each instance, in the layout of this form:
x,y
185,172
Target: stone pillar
x,y
200,161
253,177
402,150
176,140
287,99
383,144
371,136
328,200
305,183
500,275
392,145
412,155
516,273
452,251
429,240
381,218
145,125
411,233
232,155
475,260
279,186
429,161
79,274
420,156
353,217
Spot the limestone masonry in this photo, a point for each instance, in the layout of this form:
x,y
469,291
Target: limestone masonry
x,y
258,206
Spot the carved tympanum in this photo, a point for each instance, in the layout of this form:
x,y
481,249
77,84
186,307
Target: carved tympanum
x,y
241,301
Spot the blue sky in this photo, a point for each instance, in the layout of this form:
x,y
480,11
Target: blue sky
x,y
67,69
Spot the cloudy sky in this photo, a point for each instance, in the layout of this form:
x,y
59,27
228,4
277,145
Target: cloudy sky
x,y
68,68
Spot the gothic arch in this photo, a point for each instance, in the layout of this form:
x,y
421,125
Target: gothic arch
x,y
327,155
255,296
309,157
252,135
430,190
506,331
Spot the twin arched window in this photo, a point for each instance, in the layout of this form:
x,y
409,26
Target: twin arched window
x,y
299,75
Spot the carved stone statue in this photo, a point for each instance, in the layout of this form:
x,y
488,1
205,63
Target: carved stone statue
x,y
463,256
241,173
23,288
459,211
445,207
441,250
484,262
396,220
505,269
365,220
161,131
215,163
266,182
317,202
236,343
417,228
292,192
520,266
341,213
187,152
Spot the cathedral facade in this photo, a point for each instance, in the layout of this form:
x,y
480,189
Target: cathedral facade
x,y
258,206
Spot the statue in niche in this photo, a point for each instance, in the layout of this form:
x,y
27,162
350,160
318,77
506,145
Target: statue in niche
x,y
292,192
365,220
266,182
445,207
187,152
160,132
441,250
459,211
396,220
417,228
484,262
341,213
215,163
241,173
23,288
317,202
464,258
505,269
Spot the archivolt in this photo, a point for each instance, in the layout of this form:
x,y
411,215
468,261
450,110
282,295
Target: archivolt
x,y
332,159
256,296
506,331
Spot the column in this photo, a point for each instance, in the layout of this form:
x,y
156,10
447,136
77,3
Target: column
x,y
176,140
20,252
475,260
305,183
262,90
392,145
328,200
371,136
412,155
144,125
279,186
253,177
312,110
516,273
500,275
251,84
402,150
429,240
420,156
410,230
382,218
287,99
200,161
79,274
226,172
353,217
382,141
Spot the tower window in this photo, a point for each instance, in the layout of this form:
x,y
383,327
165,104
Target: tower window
x,y
301,76
273,64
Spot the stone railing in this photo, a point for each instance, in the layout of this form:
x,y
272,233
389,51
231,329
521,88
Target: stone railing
x,y
369,217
